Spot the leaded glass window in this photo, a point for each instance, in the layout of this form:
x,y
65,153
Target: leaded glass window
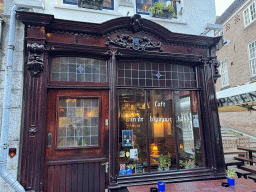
x,y
78,69
78,122
148,74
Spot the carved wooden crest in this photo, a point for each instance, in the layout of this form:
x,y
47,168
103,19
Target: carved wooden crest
x,y
35,59
136,43
214,62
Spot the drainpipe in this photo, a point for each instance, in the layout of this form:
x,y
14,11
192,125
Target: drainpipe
x,y
7,177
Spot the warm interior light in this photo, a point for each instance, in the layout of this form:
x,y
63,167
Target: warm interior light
x,y
12,152
181,146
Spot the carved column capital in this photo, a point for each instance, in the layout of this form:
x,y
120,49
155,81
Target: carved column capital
x,y
35,59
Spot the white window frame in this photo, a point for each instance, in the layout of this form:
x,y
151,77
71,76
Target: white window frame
x,y
223,69
252,57
249,14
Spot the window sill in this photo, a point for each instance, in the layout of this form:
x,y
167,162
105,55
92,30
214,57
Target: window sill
x,y
173,20
76,8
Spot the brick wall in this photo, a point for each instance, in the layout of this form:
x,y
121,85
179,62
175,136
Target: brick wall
x,y
236,50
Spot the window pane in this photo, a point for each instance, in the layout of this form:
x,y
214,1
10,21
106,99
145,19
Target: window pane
x,y
77,69
156,75
143,6
161,131
188,127
73,2
132,132
78,122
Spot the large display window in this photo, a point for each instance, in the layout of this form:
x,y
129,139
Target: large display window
x,y
159,130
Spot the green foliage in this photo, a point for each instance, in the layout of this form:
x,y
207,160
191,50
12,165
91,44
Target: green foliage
x,y
159,7
190,163
182,163
164,161
131,166
231,173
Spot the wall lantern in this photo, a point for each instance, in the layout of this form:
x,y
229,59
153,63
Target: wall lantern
x,y
12,152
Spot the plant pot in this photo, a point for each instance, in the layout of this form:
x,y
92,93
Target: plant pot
x,y
166,169
231,182
159,169
129,171
164,15
91,4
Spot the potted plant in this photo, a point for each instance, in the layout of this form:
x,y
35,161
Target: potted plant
x,y
231,177
182,164
190,164
129,169
167,162
91,4
160,10
161,162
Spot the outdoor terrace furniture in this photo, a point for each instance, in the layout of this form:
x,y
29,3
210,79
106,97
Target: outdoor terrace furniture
x,y
250,150
230,162
230,146
243,159
241,173
251,168
253,177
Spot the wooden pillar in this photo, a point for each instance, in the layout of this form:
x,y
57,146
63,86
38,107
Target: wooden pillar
x,y
33,145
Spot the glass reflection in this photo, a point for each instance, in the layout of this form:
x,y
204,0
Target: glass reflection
x,y
188,127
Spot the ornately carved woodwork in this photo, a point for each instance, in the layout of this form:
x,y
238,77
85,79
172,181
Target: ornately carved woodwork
x,y
35,59
136,22
136,43
214,62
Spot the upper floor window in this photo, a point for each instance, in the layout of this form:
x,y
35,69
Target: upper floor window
x,y
107,4
224,73
143,6
249,14
252,57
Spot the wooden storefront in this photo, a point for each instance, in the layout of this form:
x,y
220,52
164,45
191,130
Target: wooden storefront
x,y
127,93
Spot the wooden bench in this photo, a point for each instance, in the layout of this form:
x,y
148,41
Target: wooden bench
x,y
253,177
241,172
250,168
230,146
230,162
243,159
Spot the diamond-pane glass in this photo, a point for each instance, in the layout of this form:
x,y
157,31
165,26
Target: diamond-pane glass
x,y
77,69
148,74
78,122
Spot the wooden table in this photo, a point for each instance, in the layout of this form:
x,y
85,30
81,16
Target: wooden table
x,y
241,184
250,150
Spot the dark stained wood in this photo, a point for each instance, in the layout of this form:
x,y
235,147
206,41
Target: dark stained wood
x,y
74,177
80,169
63,177
86,178
84,172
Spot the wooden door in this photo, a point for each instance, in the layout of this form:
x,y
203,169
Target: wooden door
x,y
77,140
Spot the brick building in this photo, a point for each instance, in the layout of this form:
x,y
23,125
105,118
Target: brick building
x,y
236,54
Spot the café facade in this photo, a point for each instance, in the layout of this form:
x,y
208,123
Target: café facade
x,y
122,103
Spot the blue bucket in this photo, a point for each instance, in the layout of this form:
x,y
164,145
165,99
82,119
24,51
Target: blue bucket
x,y
231,182
161,186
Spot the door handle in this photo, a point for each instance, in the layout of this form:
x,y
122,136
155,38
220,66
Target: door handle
x,y
49,140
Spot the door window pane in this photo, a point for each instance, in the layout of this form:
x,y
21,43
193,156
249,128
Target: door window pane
x,y
77,69
188,127
78,122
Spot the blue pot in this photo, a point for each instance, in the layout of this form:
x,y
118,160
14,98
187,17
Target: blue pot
x,y
231,182
122,172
